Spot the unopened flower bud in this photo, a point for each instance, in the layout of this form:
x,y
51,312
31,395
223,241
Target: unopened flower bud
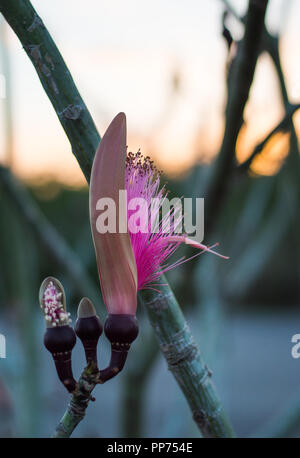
x,y
59,337
121,330
88,328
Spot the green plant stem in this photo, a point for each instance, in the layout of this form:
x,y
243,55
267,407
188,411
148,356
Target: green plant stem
x,y
185,362
164,312
78,404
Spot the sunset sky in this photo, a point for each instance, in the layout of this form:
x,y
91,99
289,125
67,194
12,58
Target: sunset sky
x,y
125,56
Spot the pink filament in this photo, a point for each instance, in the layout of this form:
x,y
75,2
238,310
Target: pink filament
x,y
152,250
53,307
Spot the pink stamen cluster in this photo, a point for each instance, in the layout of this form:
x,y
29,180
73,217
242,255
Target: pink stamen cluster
x,y
55,314
151,250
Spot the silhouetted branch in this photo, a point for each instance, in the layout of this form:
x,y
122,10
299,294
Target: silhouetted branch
x,y
232,10
226,32
271,45
239,83
284,125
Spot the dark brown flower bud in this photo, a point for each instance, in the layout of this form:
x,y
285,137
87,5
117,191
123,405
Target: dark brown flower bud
x,y
59,337
88,328
121,331
60,341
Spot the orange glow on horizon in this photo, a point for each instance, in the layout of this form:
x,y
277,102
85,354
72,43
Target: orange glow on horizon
x,y
178,125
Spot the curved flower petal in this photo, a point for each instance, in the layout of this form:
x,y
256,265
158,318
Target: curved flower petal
x,y
115,258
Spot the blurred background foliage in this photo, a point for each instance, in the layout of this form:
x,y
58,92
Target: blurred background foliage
x,y
243,312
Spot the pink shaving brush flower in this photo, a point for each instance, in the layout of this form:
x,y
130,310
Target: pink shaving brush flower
x,y
128,260
152,250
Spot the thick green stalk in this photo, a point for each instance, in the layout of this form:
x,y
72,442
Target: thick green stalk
x,y
185,362
78,404
165,314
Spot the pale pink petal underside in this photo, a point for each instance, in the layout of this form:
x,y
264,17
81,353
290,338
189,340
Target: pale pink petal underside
x,y
115,258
